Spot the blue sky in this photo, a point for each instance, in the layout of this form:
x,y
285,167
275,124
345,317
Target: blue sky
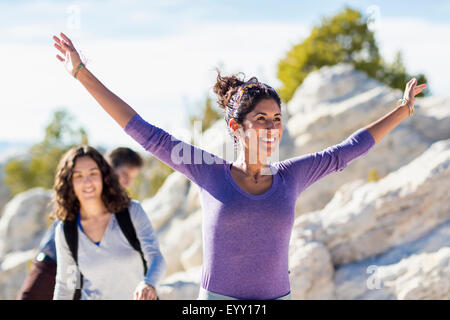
x,y
159,56
169,16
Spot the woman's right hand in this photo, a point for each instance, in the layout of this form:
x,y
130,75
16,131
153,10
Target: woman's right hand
x,y
71,57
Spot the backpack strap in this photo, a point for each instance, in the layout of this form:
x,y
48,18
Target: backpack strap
x,y
71,235
126,225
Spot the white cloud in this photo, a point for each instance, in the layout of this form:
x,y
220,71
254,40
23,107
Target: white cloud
x,y
153,75
25,32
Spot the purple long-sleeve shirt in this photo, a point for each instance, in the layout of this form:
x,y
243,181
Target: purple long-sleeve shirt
x,y
246,237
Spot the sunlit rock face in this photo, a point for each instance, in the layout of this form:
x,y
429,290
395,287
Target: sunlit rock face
x,y
22,225
24,221
334,102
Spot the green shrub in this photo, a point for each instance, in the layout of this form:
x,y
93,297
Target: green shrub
x,y
39,169
346,38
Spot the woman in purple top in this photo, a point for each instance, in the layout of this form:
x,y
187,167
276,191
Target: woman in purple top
x,y
248,205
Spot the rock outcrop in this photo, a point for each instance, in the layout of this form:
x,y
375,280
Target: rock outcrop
x,y
333,102
24,221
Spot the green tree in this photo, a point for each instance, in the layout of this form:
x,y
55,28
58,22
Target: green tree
x,y
346,38
39,169
395,76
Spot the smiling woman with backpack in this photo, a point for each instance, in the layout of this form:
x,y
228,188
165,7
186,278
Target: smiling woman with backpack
x,y
39,284
106,246
249,204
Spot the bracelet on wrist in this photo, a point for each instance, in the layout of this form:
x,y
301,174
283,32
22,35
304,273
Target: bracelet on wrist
x,y
78,69
402,102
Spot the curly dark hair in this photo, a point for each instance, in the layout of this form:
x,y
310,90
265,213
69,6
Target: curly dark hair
x,y
66,203
226,87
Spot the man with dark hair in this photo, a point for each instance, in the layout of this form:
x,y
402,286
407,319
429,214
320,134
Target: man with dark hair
x,y
126,163
40,281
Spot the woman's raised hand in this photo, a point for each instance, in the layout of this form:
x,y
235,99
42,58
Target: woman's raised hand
x,y
71,57
119,110
412,89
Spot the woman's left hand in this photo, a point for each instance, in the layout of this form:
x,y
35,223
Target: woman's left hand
x,y
145,291
412,90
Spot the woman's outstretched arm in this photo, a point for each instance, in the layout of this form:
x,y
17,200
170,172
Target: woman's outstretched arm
x,y
312,167
119,110
387,123
188,159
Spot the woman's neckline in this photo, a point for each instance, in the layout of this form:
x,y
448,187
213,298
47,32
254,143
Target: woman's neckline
x,y
81,228
227,168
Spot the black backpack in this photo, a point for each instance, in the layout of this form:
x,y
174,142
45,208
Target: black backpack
x,y
125,224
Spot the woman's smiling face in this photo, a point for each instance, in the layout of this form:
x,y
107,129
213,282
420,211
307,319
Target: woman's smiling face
x,y
87,180
263,128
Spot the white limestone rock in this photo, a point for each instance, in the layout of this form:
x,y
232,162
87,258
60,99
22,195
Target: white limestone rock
x,y
329,84
13,270
322,118
24,220
368,220
311,271
169,198
181,285
418,270
432,117
177,237
193,256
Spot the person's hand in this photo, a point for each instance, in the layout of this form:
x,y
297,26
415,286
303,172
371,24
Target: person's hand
x,y
412,90
71,57
145,291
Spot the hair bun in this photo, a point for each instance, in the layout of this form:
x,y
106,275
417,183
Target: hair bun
x,y
225,88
